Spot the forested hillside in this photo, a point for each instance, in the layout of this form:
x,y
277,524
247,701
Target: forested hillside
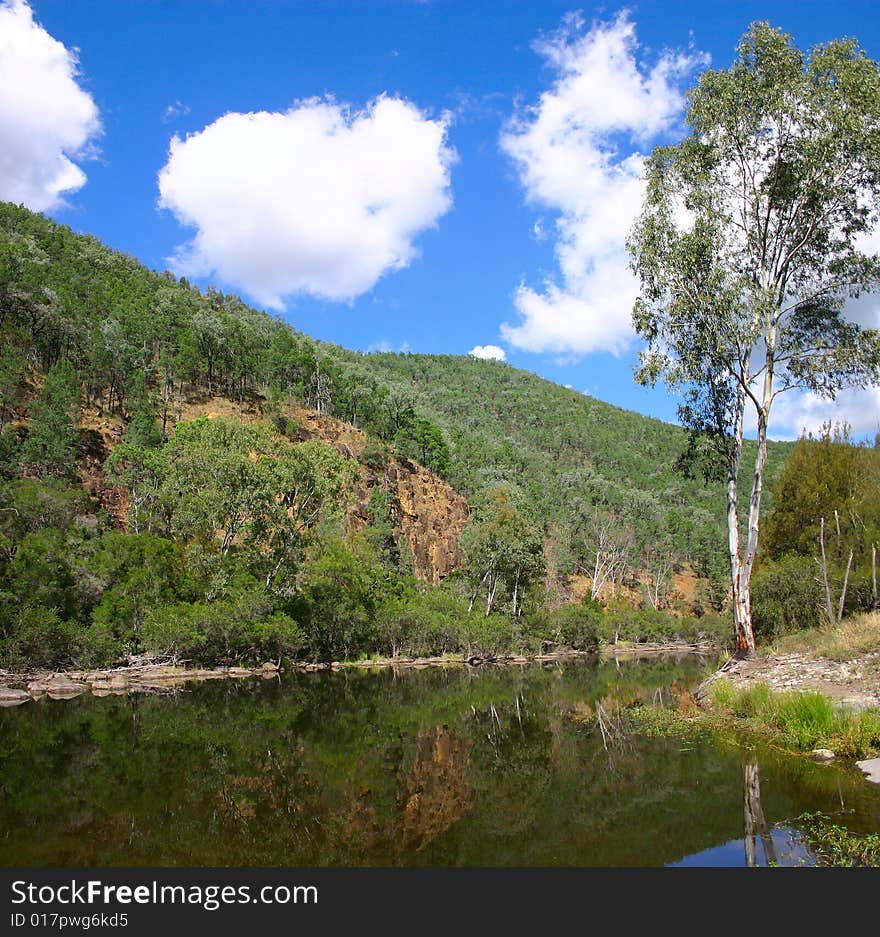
x,y
110,375
592,470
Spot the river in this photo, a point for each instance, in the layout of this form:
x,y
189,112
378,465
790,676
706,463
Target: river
x,y
457,766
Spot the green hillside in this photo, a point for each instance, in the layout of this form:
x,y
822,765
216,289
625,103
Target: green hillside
x,y
553,477
567,452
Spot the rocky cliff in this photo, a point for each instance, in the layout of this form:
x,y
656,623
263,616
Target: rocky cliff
x,y
428,512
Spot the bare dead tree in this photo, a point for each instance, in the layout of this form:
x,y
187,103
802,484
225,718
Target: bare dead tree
x,y
658,566
835,617
608,547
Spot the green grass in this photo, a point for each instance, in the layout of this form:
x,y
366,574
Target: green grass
x,y
798,720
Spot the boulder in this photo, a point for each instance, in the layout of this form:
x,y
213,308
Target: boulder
x,y
871,768
822,754
63,688
13,697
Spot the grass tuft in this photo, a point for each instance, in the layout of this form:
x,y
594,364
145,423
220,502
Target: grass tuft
x,y
799,720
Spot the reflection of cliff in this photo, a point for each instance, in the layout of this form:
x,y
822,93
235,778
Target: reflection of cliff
x,y
436,792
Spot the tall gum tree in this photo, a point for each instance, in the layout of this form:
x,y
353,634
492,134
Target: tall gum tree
x,y
753,235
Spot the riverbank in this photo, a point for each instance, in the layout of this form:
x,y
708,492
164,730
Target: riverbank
x,y
814,693
146,676
842,663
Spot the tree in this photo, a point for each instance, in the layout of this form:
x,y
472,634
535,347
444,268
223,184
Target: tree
x,y
52,437
504,548
747,248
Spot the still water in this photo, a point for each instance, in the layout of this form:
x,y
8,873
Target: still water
x,y
455,766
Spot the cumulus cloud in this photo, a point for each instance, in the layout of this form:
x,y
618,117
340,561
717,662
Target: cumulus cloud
x,y
488,352
579,153
47,121
319,199
796,413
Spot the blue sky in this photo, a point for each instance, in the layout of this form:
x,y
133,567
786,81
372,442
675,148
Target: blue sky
x,y
411,179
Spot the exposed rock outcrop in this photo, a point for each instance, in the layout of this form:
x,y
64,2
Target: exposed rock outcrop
x,y
428,513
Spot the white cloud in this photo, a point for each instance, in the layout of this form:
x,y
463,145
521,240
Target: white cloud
x,y
796,412
318,199
175,110
488,352
579,153
46,119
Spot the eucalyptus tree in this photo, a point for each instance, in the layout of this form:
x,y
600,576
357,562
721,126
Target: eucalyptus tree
x,y
754,233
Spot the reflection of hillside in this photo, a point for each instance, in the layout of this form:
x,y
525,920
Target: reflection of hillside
x,y
340,769
435,792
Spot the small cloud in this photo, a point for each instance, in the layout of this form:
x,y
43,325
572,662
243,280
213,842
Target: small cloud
x,y
175,110
488,353
384,346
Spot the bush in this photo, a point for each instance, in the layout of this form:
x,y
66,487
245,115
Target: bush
x,y
33,636
337,601
578,626
786,596
482,636
246,628
375,453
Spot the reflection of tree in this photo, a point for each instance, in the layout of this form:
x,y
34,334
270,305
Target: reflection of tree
x,y
436,792
755,823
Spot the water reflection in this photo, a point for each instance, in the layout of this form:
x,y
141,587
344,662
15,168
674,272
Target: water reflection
x,y
755,822
436,792
527,766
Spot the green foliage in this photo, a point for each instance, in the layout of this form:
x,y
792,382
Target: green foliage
x,y
135,573
835,845
578,626
247,627
825,477
33,635
40,571
504,549
50,446
13,369
786,596
337,601
10,452
236,485
800,720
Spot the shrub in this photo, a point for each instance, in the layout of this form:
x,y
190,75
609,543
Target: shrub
x,y
578,626
375,453
786,596
33,636
246,628
337,601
